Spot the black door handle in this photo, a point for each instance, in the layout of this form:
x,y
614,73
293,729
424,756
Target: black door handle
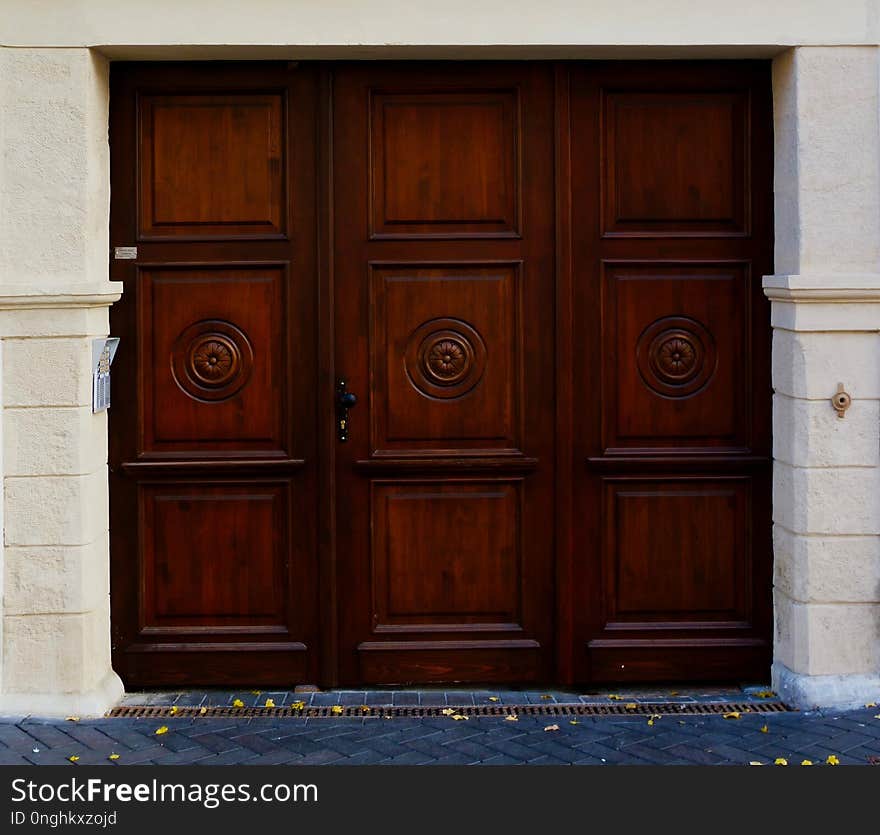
x,y
345,400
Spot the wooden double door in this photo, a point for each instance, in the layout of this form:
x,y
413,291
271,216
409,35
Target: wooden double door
x,y
440,372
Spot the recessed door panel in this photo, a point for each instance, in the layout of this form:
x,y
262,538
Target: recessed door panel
x,y
212,165
444,163
214,364
444,353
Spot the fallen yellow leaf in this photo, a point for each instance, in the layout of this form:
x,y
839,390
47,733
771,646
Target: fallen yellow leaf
x,y
173,710
765,729
162,730
871,704
755,762
877,716
113,757
546,696
493,699
336,710
459,718
447,711
615,697
270,702
297,705
673,692
552,728
365,709
512,718
256,692
238,703
765,694
203,711
652,717
806,762
71,718
573,722
780,761
734,714
74,758
832,760
630,705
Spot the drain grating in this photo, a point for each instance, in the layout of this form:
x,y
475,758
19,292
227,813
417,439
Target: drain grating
x,y
416,712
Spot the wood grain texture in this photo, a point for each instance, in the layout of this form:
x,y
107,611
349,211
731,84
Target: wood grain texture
x,y
444,163
212,166
542,281
671,566
444,330
213,453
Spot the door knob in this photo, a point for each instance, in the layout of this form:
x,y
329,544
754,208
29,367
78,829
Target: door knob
x,y
345,400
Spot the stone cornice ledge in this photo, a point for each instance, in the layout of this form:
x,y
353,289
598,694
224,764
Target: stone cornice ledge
x,y
823,288
28,297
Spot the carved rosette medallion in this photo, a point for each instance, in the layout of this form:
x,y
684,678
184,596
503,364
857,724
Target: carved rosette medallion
x,y
212,360
676,356
445,358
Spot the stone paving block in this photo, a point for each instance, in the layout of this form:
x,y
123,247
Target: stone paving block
x,y
406,698
214,742
472,748
10,757
236,757
433,698
693,754
320,758
408,758
501,759
257,743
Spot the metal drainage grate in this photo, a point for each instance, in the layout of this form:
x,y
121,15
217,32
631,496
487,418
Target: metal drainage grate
x,y
414,711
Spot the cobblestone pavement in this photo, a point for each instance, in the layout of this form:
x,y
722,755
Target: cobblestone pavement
x,y
851,737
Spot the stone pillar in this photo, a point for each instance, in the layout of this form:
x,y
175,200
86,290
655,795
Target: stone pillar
x,y
54,299
826,330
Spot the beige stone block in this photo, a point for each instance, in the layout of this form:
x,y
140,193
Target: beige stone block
x,y
54,188
808,433
810,365
827,639
45,654
842,500
49,321
53,441
56,580
47,372
56,510
827,569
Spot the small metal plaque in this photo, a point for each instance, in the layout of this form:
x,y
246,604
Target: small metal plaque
x,y
125,253
103,351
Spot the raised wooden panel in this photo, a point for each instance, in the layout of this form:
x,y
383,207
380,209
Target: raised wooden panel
x,y
446,556
676,163
213,358
676,356
444,164
444,357
212,166
214,557
677,552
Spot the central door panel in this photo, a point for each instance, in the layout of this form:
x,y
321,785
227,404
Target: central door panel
x,y
444,330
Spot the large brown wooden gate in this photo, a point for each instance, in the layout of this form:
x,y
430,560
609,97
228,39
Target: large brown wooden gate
x,y
541,283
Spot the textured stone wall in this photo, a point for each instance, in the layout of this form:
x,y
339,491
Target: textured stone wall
x,y
826,318
54,293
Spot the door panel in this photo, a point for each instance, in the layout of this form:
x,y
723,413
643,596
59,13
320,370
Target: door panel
x,y
671,471
445,394
444,329
213,454
212,165
444,163
543,284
